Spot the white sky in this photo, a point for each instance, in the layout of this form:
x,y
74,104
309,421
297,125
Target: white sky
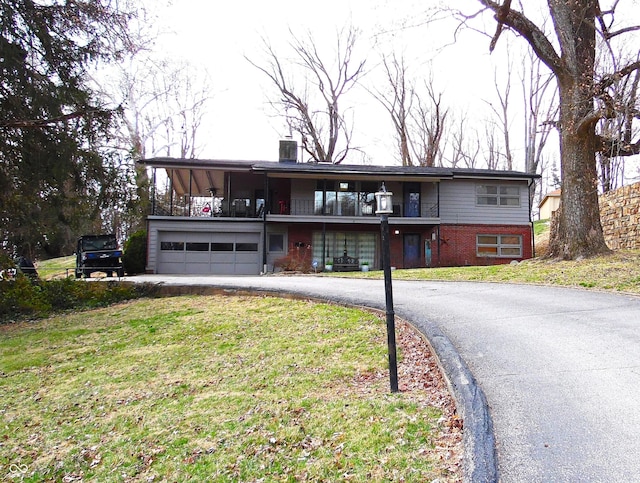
x,y
218,35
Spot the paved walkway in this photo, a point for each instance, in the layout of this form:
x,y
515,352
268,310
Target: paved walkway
x,y
560,368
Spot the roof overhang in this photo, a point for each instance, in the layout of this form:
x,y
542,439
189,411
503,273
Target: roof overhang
x,y
185,163
200,176
351,172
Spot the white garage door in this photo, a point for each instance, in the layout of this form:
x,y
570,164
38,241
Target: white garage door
x,y
204,253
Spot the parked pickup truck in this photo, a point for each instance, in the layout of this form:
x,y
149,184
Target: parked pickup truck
x,y
98,253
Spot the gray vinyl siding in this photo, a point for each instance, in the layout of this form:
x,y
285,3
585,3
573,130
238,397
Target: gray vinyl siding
x,y
152,253
458,204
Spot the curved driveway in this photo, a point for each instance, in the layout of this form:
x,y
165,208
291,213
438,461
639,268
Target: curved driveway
x,y
560,368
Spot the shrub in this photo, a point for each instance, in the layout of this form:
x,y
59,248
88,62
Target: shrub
x,y
134,259
24,298
297,260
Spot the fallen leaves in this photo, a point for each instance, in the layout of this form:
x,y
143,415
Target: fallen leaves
x,y
420,379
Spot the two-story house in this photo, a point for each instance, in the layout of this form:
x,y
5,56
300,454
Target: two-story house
x,y
246,217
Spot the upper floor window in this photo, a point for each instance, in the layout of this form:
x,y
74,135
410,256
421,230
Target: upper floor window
x,y
367,197
346,198
335,198
498,195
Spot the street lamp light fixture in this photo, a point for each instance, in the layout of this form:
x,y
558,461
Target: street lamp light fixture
x,y
384,207
384,203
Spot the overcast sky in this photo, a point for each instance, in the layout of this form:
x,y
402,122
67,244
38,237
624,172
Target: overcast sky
x,y
241,125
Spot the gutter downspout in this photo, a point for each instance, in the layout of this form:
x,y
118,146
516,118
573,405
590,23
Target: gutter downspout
x,y
190,194
324,224
171,194
267,202
438,228
533,232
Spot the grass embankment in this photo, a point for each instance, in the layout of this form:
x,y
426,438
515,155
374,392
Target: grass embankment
x,y
213,389
57,267
619,271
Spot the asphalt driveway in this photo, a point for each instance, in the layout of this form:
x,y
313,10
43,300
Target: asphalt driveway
x,y
560,368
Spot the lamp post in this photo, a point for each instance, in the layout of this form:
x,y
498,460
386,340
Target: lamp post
x,y
384,208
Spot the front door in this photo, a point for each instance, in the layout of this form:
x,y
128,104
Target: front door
x,y
412,200
411,257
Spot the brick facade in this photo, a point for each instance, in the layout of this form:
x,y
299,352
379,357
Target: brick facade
x,y
458,244
451,245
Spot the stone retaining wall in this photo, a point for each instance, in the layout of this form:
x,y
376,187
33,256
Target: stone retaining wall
x,y
620,215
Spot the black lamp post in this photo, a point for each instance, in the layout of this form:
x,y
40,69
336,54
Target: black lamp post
x,y
384,207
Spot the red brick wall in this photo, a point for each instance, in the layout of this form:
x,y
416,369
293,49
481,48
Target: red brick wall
x,y
300,234
458,244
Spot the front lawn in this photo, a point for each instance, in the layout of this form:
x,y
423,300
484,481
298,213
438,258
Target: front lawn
x,y
220,389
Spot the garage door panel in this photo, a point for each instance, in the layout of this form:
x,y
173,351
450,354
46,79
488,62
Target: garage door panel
x,y
246,258
197,268
173,257
204,253
245,269
229,269
168,267
197,257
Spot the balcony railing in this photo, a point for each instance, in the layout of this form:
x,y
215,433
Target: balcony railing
x,y
201,207
309,208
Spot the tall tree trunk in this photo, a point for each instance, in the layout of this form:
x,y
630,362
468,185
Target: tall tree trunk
x,y
578,233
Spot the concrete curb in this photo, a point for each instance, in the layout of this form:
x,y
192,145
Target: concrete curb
x,y
480,458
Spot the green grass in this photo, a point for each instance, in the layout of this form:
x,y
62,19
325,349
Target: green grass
x,y
57,267
210,389
618,272
540,227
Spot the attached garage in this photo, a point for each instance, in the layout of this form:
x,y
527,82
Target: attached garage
x,y
235,253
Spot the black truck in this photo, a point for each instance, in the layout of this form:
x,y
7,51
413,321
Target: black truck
x,y
98,253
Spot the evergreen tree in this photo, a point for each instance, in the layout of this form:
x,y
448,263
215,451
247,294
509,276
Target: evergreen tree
x,y
52,175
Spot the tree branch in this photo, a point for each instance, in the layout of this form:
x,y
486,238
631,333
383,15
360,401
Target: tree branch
x,y
610,79
40,123
609,110
618,148
501,16
530,32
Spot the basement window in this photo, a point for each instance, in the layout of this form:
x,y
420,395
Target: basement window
x,y
508,246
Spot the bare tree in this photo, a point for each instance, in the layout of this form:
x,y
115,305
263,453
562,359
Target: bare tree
x,y
430,121
539,97
418,116
316,115
493,152
162,106
465,144
618,130
578,231
502,114
397,99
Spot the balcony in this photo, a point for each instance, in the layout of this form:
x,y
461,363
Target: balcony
x,y
310,208
291,211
